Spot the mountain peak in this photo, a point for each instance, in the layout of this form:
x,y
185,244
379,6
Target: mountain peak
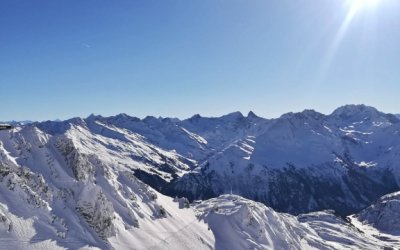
x,y
196,116
354,109
312,113
124,116
92,117
251,114
233,115
76,121
150,118
305,114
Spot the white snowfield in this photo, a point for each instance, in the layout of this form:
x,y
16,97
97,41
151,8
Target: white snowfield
x,y
239,223
64,192
75,184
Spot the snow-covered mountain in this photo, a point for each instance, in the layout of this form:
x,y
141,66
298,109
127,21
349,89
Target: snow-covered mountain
x,y
97,182
317,161
62,191
304,161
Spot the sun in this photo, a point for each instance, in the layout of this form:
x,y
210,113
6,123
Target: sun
x,y
353,8
357,5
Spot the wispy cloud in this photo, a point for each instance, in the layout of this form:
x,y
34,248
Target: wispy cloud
x,y
86,45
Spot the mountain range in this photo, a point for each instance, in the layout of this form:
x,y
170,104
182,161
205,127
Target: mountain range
x,y
301,181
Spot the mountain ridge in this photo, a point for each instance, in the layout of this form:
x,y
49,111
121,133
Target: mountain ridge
x,y
101,182
221,152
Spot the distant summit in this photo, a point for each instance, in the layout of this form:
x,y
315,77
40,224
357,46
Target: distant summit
x,y
305,114
252,115
351,110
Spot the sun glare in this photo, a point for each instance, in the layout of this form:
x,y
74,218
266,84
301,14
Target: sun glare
x,y
357,5
353,7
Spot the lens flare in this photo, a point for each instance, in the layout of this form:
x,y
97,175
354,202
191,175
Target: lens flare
x,y
360,4
353,7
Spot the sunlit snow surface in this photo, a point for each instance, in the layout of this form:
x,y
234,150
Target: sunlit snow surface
x,y
238,223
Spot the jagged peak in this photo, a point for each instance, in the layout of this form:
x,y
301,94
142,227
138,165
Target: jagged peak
x,y
120,118
76,121
151,119
233,115
196,116
312,113
251,114
305,114
124,116
93,117
59,127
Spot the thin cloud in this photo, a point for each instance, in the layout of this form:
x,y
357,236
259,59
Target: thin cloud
x,y
86,45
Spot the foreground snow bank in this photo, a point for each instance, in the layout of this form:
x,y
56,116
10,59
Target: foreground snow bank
x,y
238,223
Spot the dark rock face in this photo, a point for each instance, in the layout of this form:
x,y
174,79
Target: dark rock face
x,y
293,190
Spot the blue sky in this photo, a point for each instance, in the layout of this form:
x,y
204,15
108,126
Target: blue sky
x,y
60,59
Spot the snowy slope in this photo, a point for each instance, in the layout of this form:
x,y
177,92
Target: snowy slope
x,y
238,223
164,133
71,191
118,146
383,215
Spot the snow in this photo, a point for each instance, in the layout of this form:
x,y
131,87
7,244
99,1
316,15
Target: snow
x,y
73,193
195,137
238,223
350,132
383,215
181,229
366,164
